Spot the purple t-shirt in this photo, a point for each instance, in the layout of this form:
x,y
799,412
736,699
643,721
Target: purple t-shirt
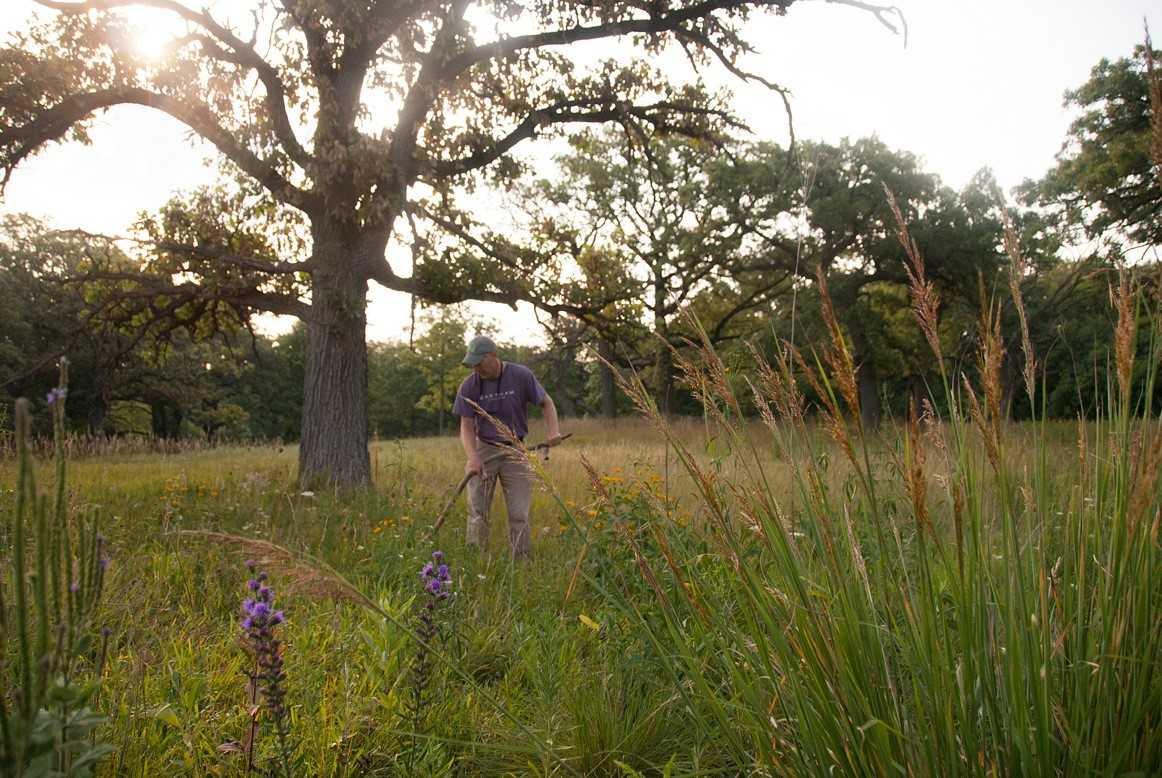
x,y
505,397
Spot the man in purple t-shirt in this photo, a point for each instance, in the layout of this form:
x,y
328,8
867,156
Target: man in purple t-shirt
x,y
504,390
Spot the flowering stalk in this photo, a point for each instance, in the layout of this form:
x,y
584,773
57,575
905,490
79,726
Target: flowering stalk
x,y
259,618
53,570
436,581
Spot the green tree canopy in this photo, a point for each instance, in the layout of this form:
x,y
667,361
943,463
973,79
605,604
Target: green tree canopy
x,y
1104,182
291,98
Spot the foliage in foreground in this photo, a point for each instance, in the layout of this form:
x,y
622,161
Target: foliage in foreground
x,y
963,606
50,663
968,598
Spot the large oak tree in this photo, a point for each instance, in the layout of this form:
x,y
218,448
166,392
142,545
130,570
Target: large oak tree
x,y
1108,178
342,120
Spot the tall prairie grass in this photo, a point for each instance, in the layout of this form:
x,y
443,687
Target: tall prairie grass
x,y
967,599
794,595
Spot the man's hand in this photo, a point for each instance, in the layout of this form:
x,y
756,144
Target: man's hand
x,y
474,466
552,425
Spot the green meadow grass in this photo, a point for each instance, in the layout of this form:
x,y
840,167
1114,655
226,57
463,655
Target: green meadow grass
x,y
717,597
174,687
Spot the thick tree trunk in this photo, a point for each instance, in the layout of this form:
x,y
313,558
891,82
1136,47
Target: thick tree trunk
x,y
98,412
867,380
664,360
333,451
664,376
918,391
869,396
167,420
561,393
440,412
608,384
1012,385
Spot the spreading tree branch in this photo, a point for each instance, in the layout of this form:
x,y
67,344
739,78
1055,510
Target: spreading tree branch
x,y
260,264
569,112
52,124
240,53
652,24
162,298
422,95
881,13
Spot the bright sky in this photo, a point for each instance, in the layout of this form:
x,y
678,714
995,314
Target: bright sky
x,y
980,83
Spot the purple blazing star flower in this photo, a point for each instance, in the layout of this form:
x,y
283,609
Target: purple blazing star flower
x,y
438,556
426,571
259,619
433,586
442,573
56,395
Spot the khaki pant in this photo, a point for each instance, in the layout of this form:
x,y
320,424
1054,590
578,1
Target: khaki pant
x,y
516,479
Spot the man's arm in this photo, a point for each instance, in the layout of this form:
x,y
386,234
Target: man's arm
x,y
551,423
468,441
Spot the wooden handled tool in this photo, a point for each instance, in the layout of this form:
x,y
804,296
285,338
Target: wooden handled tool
x,y
503,452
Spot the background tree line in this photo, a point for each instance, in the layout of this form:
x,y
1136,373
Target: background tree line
x,y
661,231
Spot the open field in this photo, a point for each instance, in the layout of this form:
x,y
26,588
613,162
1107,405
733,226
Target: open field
x,y
884,497
650,654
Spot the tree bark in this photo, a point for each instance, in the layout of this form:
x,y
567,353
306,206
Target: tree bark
x,y
608,384
918,391
333,451
1012,385
664,360
562,394
869,396
440,405
664,377
867,379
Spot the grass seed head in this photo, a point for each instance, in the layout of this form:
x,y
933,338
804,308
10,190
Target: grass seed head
x,y
1125,333
836,353
1017,268
925,298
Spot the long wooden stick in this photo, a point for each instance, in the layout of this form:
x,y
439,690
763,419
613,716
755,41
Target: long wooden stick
x,y
443,515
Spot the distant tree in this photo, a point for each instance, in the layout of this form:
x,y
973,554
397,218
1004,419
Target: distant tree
x,y
317,215
439,351
829,213
44,318
48,315
665,227
270,387
559,365
1104,183
397,384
